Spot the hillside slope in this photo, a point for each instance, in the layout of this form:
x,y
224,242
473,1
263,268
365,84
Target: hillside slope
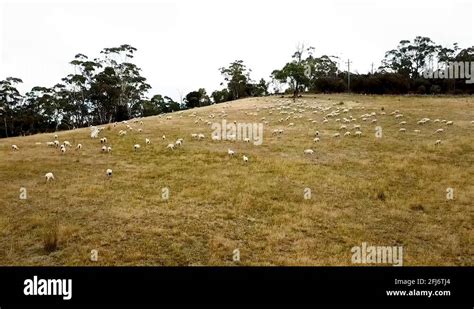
x,y
388,191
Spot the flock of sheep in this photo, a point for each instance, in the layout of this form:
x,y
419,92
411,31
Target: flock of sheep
x,y
348,124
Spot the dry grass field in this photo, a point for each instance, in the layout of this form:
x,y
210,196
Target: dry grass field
x,y
388,191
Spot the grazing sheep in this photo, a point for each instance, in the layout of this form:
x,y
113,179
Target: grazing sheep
x,y
56,143
438,142
139,130
316,139
449,123
416,131
50,144
178,143
245,158
63,149
147,141
55,136
121,133
336,135
15,148
439,131
94,132
358,133
66,143
356,127
49,176
108,172
79,146
170,146
347,133
201,136
104,148
215,138
109,149
343,127
317,133
402,130
308,151
194,135
104,140
136,147
230,152
247,140
163,137
402,123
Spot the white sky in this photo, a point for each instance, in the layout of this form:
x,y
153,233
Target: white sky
x,y
182,43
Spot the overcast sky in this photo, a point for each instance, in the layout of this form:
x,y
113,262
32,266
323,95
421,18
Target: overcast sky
x,y
181,44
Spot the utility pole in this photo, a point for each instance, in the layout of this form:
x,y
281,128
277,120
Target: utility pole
x,y
348,75
372,68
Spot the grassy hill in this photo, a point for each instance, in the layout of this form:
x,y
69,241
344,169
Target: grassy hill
x,y
388,191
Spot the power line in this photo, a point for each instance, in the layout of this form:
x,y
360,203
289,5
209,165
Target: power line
x,y
348,75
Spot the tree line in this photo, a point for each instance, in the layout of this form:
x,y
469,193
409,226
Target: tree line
x,y
110,88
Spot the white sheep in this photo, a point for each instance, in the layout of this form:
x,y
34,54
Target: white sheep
x,y
55,136
336,135
316,139
402,130
170,146
247,140
230,152
215,138
103,140
15,148
108,172
347,133
49,176
308,151
437,142
79,146
56,143
358,133
136,147
439,131
449,123
50,144
317,133
245,158
163,137
63,149
109,149
178,142
66,143
147,141
194,135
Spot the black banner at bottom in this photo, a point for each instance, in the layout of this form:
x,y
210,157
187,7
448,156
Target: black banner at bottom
x,y
433,287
